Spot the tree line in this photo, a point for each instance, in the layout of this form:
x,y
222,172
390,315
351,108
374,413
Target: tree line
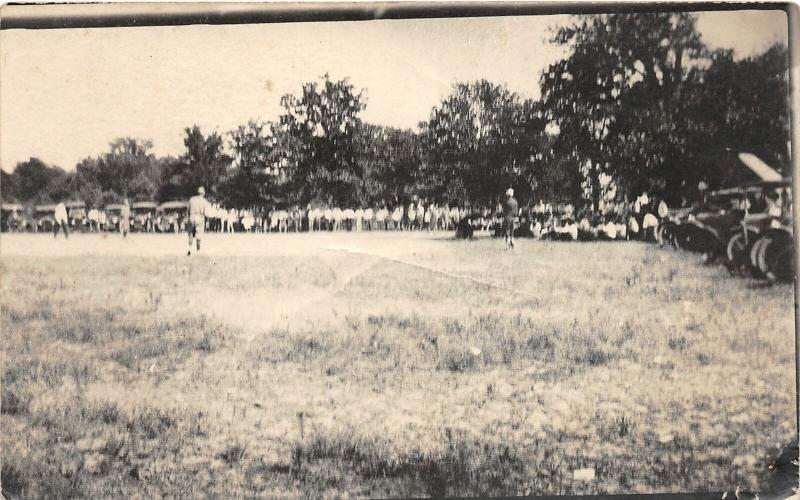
x,y
638,103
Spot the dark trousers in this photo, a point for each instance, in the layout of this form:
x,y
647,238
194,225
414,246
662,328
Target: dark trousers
x,y
65,227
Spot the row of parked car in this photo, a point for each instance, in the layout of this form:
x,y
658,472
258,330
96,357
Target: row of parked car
x,y
748,228
146,216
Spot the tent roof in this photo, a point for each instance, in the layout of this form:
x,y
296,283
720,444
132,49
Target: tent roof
x,y
174,204
144,204
758,167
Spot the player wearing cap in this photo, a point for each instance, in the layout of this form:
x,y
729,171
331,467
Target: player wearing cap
x,y
125,218
510,211
198,205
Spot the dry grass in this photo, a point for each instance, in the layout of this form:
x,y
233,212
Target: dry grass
x,y
380,365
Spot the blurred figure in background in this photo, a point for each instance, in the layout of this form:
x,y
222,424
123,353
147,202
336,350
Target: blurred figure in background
x,y
368,216
60,220
102,219
510,211
311,214
196,225
649,225
359,215
125,218
93,218
232,219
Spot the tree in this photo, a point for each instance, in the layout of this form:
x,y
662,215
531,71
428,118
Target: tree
x,y
30,179
389,159
8,187
640,98
254,177
203,164
128,170
616,95
737,106
316,140
483,138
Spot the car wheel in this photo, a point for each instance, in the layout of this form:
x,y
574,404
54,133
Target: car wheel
x,y
776,257
738,250
761,256
782,263
755,249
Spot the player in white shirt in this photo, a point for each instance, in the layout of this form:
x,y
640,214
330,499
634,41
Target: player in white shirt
x,y
368,216
93,215
102,219
197,218
232,219
622,231
248,221
434,217
273,220
380,217
283,221
311,213
336,217
649,225
328,215
347,216
60,220
633,226
211,214
455,215
359,215
446,217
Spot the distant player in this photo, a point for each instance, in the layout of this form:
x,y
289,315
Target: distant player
x,y
359,215
60,220
102,220
198,205
93,217
368,218
510,211
125,218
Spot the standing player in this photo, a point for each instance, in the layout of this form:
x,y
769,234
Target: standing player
x,y
510,211
93,217
198,205
125,218
60,220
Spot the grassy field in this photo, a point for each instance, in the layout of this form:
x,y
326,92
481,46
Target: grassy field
x,y
384,365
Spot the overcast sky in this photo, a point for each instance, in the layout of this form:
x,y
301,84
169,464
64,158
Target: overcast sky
x,y
65,94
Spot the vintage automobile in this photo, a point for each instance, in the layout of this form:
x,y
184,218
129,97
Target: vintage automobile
x,y
45,217
12,217
758,219
668,230
772,253
76,211
707,229
144,216
171,216
113,216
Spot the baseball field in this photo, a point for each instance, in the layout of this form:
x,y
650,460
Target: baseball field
x,y
384,364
